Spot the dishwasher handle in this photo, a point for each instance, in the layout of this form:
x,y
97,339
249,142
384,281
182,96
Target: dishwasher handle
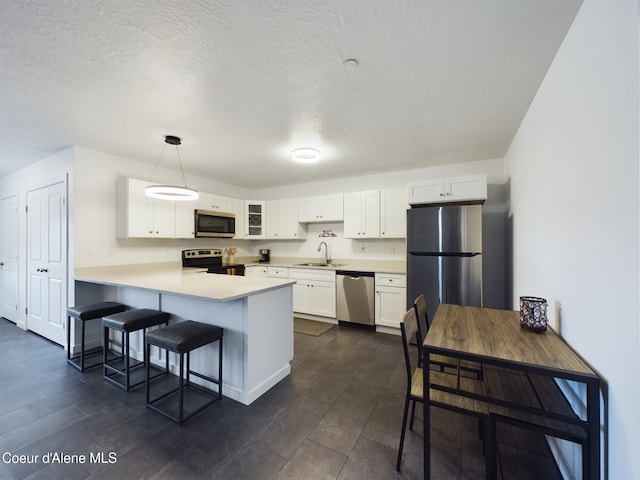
x,y
354,274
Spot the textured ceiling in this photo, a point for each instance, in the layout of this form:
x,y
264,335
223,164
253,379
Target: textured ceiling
x,y
243,82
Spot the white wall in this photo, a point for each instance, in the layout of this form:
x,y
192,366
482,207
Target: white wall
x,y
96,174
53,169
494,169
573,169
94,189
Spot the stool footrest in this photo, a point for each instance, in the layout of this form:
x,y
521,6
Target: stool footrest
x,y
76,360
116,376
151,404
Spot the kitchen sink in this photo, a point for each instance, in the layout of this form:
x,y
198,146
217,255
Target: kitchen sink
x,y
317,264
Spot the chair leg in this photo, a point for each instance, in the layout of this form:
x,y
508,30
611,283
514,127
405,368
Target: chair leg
x,y
125,339
147,372
404,427
220,370
413,413
82,347
68,338
105,350
181,390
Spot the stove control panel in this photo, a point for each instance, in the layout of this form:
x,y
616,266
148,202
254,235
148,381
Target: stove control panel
x,y
202,253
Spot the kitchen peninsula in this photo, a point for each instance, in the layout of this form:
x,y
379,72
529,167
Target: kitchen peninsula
x,y
256,314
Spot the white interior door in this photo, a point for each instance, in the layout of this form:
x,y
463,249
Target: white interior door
x,y
9,259
47,261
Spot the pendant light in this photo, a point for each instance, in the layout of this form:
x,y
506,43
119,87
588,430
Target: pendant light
x,y
171,192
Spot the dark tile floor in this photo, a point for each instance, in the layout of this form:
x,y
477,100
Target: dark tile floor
x,y
337,416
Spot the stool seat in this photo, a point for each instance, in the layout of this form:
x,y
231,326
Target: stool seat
x,y
184,336
84,313
95,310
136,319
121,369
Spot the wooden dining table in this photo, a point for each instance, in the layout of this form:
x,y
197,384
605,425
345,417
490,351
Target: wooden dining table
x,y
494,340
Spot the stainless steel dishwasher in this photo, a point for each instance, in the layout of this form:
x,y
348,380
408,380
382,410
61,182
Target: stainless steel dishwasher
x,y
355,297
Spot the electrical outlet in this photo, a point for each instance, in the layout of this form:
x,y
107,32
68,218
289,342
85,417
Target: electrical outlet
x,y
96,253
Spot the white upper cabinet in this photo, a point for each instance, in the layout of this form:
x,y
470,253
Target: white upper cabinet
x,y
393,212
213,202
139,216
325,208
239,209
254,220
282,220
449,189
185,219
362,214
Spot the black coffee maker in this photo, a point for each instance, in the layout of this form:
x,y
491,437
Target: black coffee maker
x,y
264,255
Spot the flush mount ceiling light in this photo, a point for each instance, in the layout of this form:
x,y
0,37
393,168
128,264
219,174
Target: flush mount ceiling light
x,y
171,192
305,155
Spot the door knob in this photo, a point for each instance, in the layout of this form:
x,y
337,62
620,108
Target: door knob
x,y
44,270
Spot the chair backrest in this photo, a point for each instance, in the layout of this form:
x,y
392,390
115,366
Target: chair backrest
x,y
409,331
420,305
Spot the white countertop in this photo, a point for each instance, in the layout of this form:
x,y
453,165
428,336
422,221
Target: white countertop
x,y
376,266
170,277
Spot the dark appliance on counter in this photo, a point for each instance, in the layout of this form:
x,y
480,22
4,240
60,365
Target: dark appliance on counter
x,y
265,254
211,259
215,224
444,255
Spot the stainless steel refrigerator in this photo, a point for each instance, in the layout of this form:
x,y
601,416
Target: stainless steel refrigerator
x,y
444,255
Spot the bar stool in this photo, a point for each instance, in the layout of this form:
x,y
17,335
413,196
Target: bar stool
x,y
118,369
84,313
181,338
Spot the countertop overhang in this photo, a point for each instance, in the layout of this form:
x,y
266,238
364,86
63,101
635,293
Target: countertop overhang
x,y
170,277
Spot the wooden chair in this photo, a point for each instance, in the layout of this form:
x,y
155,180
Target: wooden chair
x,y
414,394
410,332
442,363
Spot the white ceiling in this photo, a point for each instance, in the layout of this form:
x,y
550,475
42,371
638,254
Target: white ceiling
x,y
243,82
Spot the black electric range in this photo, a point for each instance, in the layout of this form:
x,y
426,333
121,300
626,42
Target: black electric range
x,y
211,259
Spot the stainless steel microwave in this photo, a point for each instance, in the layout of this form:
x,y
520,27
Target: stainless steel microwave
x,y
215,224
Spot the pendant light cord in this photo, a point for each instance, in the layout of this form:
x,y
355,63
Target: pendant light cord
x,y
184,181
157,162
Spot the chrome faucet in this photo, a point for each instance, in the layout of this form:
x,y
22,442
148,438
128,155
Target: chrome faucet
x,y
326,252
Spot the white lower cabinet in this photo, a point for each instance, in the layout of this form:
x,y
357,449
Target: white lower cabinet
x,y
255,271
278,272
314,293
390,300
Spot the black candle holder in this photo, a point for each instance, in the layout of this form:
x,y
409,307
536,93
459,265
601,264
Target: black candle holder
x,y
533,314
